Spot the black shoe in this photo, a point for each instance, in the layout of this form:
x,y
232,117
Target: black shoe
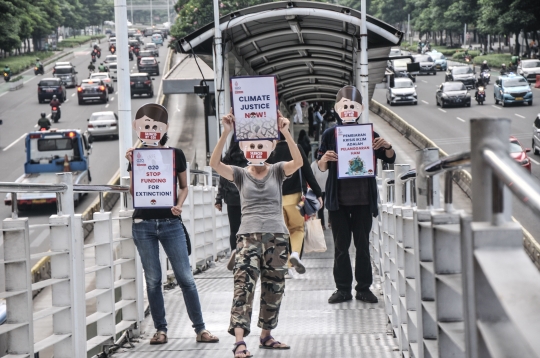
x,y
366,296
340,296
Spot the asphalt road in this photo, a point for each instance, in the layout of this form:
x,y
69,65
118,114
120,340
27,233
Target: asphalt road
x,y
449,127
20,111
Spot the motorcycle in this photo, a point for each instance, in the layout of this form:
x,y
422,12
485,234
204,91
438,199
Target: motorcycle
x,y
54,115
484,77
7,76
93,58
480,95
130,56
38,70
113,50
99,54
468,58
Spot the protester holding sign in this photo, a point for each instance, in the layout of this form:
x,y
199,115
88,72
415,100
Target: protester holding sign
x,y
262,238
162,224
351,198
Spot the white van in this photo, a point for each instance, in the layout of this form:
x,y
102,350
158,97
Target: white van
x,y
113,72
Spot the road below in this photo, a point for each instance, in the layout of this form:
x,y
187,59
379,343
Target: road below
x,y
20,111
449,127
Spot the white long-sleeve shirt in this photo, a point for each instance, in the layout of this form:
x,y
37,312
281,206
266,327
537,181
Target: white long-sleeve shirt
x,y
320,177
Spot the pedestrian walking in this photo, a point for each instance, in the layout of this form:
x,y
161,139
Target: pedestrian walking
x,y
154,226
317,122
321,178
228,192
310,118
293,190
351,204
304,142
262,237
298,114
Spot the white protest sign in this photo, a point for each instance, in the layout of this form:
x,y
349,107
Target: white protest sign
x,y
255,107
354,145
154,178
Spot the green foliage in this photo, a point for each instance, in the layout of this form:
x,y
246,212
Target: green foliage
x,y
23,62
78,40
460,55
493,60
18,78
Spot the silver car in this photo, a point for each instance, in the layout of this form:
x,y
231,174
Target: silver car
x,y
103,124
403,92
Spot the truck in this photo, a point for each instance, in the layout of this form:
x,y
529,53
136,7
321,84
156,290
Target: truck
x,y
50,152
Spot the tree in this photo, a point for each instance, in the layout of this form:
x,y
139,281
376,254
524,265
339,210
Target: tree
x,y
9,26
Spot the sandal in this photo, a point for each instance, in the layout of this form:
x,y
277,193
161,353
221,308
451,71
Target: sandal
x,y
271,345
245,351
211,338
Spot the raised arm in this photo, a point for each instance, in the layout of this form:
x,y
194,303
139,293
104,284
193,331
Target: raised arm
x,y
215,160
296,163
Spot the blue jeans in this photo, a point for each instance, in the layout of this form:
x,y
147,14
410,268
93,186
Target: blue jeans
x,y
170,233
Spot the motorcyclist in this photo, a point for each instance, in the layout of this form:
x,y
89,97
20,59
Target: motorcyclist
x,y
103,68
44,122
91,67
484,66
504,70
55,103
39,65
7,70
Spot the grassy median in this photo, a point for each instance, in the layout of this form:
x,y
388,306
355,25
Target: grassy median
x,y
22,62
79,40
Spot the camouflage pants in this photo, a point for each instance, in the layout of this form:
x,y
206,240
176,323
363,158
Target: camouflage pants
x,y
257,255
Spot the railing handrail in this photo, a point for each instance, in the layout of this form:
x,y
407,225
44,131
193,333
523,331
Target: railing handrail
x,y
410,175
91,188
522,186
451,162
6,187
202,172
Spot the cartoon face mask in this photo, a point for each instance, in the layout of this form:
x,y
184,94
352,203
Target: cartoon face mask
x,y
349,104
151,123
256,151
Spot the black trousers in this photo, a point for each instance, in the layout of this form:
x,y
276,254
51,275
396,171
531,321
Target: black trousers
x,y
235,214
320,213
356,221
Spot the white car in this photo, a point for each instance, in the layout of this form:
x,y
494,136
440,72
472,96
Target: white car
x,y
529,69
394,52
104,76
112,39
103,124
113,71
110,59
404,91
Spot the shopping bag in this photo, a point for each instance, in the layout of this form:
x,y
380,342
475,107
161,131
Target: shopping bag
x,y
314,241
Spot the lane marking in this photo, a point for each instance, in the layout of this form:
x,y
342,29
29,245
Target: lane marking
x,y
107,105
66,101
116,92
112,99
442,110
534,161
518,115
460,119
424,81
15,142
3,94
73,95
39,240
425,102
495,106
25,82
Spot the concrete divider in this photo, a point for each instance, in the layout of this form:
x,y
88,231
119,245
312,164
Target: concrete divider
x,y
462,177
42,269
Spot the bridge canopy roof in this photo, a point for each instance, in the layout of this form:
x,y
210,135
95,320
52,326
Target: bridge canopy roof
x,y
310,46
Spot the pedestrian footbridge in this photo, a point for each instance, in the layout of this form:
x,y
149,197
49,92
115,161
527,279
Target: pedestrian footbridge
x,y
449,284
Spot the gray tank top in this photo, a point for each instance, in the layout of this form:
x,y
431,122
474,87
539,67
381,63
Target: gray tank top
x,y
260,200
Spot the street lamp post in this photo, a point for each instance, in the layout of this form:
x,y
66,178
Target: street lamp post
x,y
151,15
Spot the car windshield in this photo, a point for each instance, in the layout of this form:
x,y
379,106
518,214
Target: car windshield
x,y
102,117
98,76
515,82
453,87
112,66
148,61
145,54
515,147
139,78
531,64
461,70
62,71
437,56
49,83
89,84
423,59
402,62
403,84
150,46
110,58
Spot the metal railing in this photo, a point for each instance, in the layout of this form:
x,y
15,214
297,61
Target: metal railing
x,y
456,285
96,286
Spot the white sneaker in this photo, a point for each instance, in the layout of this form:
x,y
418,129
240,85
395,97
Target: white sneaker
x,y
291,274
297,263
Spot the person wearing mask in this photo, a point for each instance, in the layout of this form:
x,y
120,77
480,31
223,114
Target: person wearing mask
x,y
164,225
310,118
293,190
298,114
43,122
351,204
228,192
262,238
56,103
303,141
321,178
91,67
